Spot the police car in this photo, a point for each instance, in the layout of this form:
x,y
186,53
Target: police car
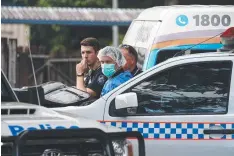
x,y
45,132
183,106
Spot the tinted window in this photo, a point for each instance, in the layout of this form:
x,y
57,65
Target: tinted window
x,y
166,54
189,89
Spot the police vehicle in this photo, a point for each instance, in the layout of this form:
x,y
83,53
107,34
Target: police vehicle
x,y
182,106
29,129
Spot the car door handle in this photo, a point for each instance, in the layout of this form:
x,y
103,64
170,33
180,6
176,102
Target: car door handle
x,y
218,131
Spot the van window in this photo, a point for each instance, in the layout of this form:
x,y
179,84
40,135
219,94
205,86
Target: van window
x,y
140,35
131,35
141,56
166,54
200,88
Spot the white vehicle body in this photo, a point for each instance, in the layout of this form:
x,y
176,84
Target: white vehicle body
x,y
177,27
17,117
176,126
41,118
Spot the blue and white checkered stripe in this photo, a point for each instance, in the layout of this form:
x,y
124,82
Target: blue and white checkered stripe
x,y
171,130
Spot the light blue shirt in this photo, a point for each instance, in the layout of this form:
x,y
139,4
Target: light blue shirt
x,y
114,82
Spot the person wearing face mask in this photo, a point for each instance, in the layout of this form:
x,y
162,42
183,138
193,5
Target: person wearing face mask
x,y
112,63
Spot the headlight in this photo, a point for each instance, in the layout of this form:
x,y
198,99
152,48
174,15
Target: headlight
x,y
122,148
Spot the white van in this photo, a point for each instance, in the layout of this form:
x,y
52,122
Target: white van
x,y
160,32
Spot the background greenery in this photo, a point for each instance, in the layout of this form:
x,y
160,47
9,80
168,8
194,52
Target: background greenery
x,y
64,40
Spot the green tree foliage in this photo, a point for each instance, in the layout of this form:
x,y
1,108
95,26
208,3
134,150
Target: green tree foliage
x,y
71,3
60,38
64,38
56,3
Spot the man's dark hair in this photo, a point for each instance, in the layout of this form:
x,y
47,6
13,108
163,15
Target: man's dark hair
x,y
90,41
130,50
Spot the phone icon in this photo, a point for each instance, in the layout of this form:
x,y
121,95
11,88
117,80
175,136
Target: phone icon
x,y
182,20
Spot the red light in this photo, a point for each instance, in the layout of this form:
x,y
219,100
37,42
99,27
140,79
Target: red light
x,y
228,33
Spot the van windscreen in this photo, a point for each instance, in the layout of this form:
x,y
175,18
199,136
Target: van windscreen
x,y
166,54
141,56
141,33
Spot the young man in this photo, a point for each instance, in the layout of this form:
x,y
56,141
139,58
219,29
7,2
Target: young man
x,y
112,62
88,72
131,57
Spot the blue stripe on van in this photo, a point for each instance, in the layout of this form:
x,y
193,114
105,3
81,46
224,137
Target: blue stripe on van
x,y
151,61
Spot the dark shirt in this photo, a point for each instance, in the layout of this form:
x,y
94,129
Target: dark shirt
x,y
136,71
95,80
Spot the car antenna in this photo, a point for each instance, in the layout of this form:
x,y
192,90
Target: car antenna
x,y
34,75
183,51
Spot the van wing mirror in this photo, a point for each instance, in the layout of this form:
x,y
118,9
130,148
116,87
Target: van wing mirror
x,y
126,100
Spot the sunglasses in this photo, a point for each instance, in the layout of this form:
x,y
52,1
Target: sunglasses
x,y
125,46
130,50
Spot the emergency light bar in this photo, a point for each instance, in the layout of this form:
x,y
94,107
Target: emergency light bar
x,y
227,38
228,33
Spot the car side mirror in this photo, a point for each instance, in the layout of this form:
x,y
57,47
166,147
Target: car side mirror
x,y
126,104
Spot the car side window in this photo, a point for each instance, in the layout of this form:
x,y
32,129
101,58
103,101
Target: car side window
x,y
200,88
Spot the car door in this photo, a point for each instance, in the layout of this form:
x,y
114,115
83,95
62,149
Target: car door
x,y
182,109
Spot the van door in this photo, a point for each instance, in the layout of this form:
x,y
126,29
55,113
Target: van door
x,y
183,110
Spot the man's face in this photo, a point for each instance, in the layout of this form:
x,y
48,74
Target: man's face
x,y
129,59
88,53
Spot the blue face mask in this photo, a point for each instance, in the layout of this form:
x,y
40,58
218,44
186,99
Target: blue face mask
x,y
108,69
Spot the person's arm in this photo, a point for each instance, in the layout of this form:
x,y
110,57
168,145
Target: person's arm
x,y
80,68
80,85
80,82
97,83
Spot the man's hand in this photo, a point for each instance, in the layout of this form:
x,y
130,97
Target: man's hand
x,y
82,67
